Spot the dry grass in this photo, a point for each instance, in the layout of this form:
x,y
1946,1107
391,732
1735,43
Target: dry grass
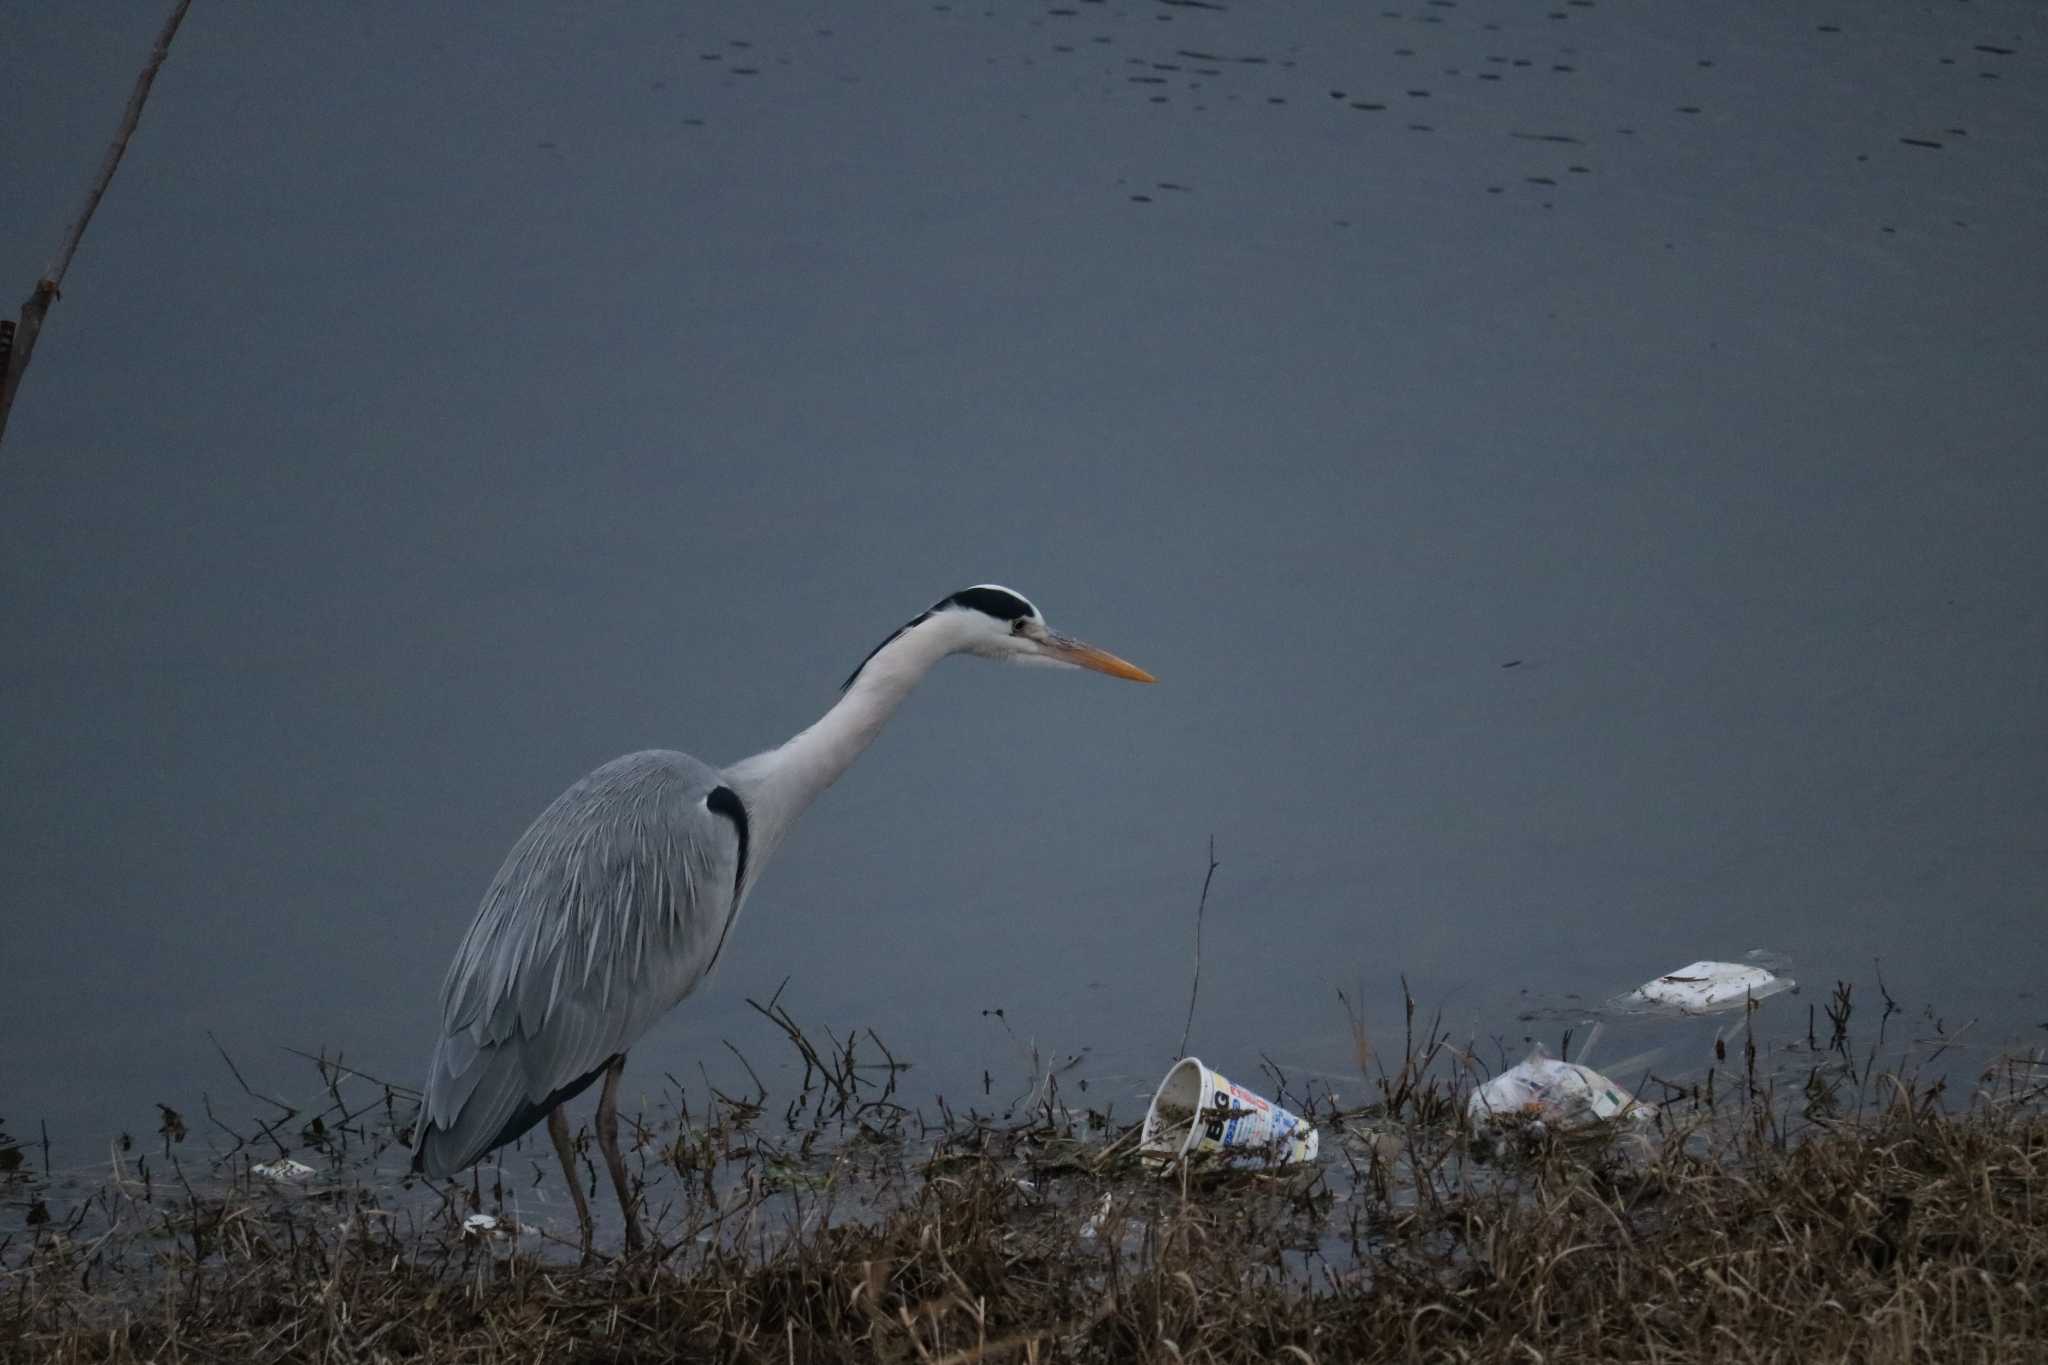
x,y
1901,1233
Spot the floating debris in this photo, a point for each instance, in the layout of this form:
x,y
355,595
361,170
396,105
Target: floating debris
x,y
284,1171
1200,1113
1540,1090
1704,987
489,1227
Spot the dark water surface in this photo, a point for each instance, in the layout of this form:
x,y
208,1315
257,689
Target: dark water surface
x,y
1578,474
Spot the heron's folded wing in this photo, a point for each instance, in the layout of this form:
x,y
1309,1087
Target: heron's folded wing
x,y
607,911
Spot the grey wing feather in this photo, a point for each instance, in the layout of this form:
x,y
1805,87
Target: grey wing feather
x,y
608,911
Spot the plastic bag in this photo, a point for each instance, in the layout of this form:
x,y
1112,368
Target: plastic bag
x,y
1556,1094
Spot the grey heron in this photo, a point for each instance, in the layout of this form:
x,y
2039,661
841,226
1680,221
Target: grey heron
x,y
619,898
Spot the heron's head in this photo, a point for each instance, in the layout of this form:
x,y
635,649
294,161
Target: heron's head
x,y
995,623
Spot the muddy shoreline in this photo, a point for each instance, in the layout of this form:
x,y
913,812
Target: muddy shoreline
x,y
1845,1217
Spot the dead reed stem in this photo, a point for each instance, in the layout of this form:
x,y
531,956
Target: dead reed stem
x,y
18,339
1195,986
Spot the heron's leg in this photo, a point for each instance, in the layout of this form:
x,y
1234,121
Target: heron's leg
x,y
608,1140
558,1129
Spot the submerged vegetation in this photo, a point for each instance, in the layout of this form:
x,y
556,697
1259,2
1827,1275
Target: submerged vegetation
x,y
1833,1212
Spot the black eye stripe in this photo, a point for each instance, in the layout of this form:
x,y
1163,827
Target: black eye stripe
x,y
1004,606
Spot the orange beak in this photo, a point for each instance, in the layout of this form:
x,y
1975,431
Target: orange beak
x,y
1100,660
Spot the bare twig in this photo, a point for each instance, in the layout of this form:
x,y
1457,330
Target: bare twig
x,y
1195,987
779,1016
761,1096
289,1111
325,1062
1891,1006
21,341
1361,1040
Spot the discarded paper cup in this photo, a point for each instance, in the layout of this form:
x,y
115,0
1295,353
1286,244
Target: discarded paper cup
x,y
1198,1113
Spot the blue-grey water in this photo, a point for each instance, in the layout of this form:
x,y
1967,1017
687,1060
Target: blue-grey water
x,y
1578,474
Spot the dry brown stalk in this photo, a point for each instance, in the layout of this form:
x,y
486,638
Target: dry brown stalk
x,y
1893,1232
18,339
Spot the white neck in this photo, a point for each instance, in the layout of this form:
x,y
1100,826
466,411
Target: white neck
x,y
779,785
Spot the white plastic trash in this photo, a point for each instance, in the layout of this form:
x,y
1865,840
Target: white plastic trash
x,y
489,1227
1704,987
1092,1225
284,1171
1559,1094
1199,1113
